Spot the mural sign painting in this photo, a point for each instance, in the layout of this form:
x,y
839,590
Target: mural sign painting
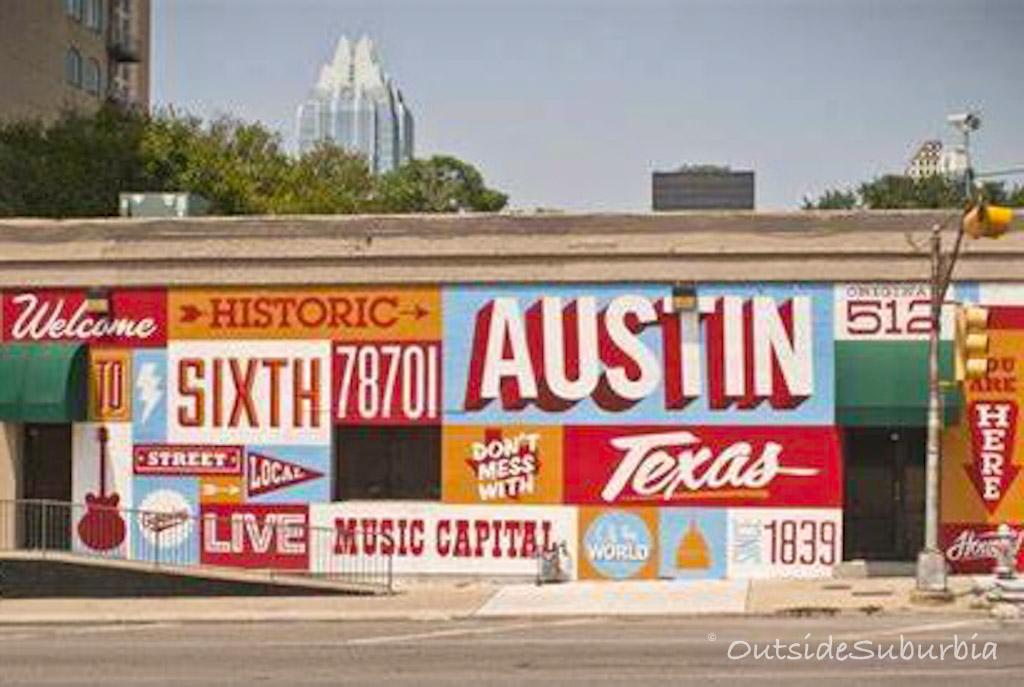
x,y
618,544
982,456
745,466
797,542
649,437
514,464
339,314
253,392
437,538
387,383
256,536
605,356
128,318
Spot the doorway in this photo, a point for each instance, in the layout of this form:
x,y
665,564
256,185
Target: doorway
x,y
885,493
45,514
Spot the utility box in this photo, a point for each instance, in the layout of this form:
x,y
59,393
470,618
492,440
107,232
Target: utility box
x,y
163,205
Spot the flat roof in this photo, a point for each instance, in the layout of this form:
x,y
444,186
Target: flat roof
x,y
506,247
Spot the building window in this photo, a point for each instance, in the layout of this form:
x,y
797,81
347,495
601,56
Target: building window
x,y
121,18
94,14
92,77
74,8
73,67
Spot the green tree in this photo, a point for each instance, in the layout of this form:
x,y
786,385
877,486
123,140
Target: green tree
x,y
325,180
74,167
78,165
440,184
895,192
832,199
238,167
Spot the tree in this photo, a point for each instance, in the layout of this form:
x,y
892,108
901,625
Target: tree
x,y
79,164
323,181
895,192
440,184
238,167
832,200
74,167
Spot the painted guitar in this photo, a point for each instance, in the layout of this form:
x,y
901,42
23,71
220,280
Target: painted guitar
x,y
102,528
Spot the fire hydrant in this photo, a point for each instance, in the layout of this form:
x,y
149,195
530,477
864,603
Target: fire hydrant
x,y
553,563
1005,547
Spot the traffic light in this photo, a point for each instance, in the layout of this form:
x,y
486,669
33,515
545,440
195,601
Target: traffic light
x,y
990,221
971,343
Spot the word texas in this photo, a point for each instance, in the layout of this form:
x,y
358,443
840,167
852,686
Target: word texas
x,y
739,352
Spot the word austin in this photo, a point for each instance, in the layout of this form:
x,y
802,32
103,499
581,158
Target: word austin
x,y
739,352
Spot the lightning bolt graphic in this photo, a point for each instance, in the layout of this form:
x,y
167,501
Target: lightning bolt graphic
x,y
148,386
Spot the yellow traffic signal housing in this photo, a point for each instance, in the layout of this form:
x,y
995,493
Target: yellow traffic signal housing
x,y
971,343
984,220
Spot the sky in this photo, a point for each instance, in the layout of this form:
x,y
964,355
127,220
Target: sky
x,y
571,104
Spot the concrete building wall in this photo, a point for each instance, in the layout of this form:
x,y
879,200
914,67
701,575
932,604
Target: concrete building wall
x,y
35,37
10,479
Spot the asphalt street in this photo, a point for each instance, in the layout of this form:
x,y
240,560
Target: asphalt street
x,y
595,652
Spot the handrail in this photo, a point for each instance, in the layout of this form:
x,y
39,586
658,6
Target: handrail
x,y
183,540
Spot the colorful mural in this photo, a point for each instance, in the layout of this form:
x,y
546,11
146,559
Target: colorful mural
x,y
656,441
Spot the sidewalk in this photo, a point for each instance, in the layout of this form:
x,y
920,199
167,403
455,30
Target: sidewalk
x,y
446,600
418,601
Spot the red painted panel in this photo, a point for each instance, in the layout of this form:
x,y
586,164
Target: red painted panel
x,y
266,536
1005,317
181,460
135,317
387,383
970,547
703,466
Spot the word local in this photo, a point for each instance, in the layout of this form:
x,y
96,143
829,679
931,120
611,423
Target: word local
x,y
222,392
555,354
447,538
505,467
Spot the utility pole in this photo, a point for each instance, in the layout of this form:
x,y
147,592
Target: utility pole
x,y
931,562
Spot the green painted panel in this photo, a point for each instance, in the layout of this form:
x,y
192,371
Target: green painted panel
x,y
885,383
43,383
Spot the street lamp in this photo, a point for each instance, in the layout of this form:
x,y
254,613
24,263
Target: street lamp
x,y
931,562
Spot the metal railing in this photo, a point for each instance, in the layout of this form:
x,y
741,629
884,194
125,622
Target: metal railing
x,y
277,541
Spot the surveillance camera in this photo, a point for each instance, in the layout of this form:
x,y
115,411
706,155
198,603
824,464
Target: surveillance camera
x,y
965,121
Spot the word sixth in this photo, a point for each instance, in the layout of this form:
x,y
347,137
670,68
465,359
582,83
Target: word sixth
x,y
249,392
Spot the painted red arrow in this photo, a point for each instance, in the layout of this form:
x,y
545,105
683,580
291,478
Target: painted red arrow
x,y
190,313
993,438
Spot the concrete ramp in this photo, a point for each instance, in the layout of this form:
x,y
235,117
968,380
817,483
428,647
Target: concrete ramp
x,y
691,597
30,574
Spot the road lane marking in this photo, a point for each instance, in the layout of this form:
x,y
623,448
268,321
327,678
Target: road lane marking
x,y
464,631
919,629
57,633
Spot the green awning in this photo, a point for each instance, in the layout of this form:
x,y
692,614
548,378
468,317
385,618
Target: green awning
x,y
43,383
885,383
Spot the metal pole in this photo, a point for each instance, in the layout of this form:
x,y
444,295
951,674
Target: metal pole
x,y
931,564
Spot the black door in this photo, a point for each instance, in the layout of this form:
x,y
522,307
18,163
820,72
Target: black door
x,y
46,516
884,505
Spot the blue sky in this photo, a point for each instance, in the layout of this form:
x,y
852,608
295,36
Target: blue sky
x,y
572,103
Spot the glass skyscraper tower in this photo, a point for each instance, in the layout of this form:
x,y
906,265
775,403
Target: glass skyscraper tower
x,y
357,106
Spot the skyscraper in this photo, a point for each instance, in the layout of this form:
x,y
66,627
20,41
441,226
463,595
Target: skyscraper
x,y
357,106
